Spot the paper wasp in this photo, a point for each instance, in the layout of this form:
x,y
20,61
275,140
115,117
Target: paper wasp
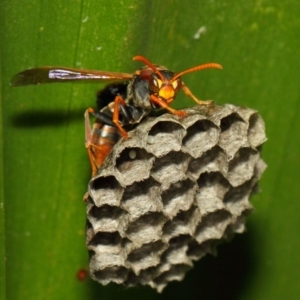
x,y
122,103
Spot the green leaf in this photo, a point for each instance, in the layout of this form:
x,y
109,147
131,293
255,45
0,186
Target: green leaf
x,y
45,167
2,222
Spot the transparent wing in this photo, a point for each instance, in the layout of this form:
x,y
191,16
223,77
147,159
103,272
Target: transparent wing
x,y
62,74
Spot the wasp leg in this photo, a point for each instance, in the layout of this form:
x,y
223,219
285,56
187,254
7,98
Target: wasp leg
x,y
119,101
164,105
96,153
88,139
86,197
189,93
88,129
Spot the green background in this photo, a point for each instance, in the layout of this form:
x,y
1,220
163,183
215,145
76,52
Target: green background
x,y
45,170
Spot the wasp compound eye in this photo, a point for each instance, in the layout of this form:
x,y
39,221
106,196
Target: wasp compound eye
x,y
171,192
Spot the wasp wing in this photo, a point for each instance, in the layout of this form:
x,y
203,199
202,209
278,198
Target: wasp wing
x,y
61,74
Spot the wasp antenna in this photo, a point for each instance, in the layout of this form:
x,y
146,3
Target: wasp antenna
x,y
198,68
149,64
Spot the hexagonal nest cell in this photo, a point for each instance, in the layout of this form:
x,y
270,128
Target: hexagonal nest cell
x,y
170,193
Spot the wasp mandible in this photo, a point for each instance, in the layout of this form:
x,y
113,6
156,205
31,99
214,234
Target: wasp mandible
x,y
122,103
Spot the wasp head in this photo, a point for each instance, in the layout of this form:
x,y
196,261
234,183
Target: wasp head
x,y
164,84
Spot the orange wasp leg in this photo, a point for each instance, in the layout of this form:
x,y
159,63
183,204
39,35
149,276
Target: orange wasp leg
x,y
96,153
88,139
88,144
188,92
119,100
166,106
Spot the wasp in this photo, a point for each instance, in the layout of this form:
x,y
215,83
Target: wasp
x,y
124,102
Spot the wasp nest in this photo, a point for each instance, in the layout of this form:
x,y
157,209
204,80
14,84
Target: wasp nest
x,y
167,195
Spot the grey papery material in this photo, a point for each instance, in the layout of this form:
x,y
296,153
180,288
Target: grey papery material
x,y
171,192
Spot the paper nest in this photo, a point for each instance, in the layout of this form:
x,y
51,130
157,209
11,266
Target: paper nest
x,y
171,192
